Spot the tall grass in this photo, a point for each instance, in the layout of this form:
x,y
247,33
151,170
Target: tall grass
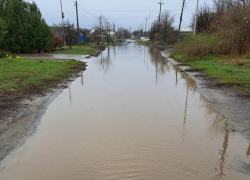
x,y
200,45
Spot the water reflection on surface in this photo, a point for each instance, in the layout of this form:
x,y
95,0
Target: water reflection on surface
x,y
105,60
248,151
82,78
223,153
135,117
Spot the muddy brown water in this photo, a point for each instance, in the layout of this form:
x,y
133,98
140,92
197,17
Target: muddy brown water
x,y
130,115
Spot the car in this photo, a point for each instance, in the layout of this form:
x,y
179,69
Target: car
x,y
144,39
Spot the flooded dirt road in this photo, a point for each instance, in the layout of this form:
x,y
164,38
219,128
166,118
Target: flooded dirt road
x,y
130,115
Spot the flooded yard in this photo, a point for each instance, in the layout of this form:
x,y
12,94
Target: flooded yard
x,y
130,115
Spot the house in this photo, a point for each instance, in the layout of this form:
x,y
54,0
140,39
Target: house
x,y
78,36
96,35
82,36
99,35
185,31
56,30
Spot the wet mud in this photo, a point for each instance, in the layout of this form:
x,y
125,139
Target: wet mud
x,y
20,112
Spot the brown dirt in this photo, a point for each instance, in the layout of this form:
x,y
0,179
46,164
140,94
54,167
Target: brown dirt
x,y
193,70
11,102
96,53
161,46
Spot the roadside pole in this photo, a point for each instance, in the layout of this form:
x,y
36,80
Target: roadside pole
x,y
139,32
63,24
183,4
130,32
161,3
100,19
196,15
148,25
77,16
114,32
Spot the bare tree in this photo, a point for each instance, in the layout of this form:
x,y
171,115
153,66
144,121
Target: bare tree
x,y
163,30
105,27
69,33
204,19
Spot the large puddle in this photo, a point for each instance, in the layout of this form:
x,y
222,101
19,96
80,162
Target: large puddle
x,y
131,115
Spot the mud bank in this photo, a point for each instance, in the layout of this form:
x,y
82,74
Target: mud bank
x,y
232,104
20,115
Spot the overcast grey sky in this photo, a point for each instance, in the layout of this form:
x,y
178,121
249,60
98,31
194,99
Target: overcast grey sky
x,y
124,13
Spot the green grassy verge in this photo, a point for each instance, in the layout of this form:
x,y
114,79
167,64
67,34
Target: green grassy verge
x,y
21,76
230,71
78,49
143,42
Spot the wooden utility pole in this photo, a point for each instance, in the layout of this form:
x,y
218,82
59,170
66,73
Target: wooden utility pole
x,y
63,23
114,34
77,22
146,26
121,32
139,32
181,17
100,19
130,32
161,3
142,30
196,15
118,30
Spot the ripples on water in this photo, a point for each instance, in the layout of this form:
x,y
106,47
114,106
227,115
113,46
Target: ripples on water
x,y
130,115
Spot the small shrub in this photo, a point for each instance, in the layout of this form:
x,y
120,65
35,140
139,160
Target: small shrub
x,y
7,55
2,54
82,43
58,41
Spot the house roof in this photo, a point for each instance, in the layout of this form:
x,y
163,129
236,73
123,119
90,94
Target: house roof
x,y
92,31
55,29
185,29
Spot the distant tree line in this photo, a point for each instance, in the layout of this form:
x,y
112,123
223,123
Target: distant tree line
x,y
22,28
123,33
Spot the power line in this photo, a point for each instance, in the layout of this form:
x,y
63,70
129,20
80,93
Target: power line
x,y
59,15
123,10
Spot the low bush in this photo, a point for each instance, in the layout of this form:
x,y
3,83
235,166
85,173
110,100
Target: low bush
x,y
2,54
200,45
228,26
82,43
7,55
58,41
